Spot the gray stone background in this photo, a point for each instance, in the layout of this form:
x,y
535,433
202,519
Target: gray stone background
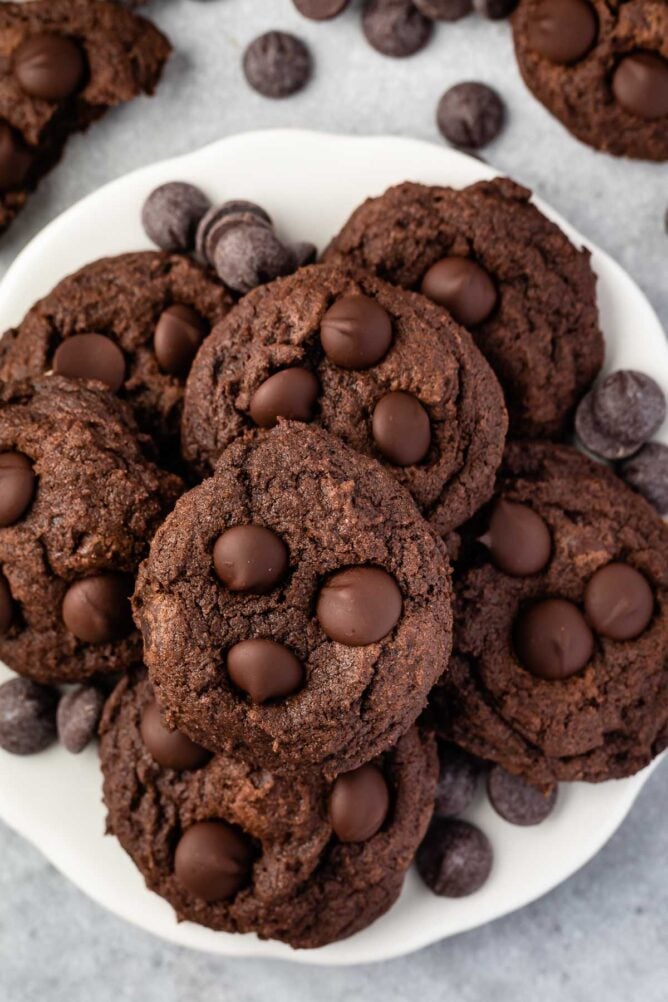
x,y
602,934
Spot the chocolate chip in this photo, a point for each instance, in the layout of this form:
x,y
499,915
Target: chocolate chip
x,y
517,801
91,356
356,332
358,804
178,334
27,716
213,860
562,31
495,10
619,602
170,749
359,606
225,222
6,606
15,158
172,213
518,539
250,558
640,84
239,208
78,715
291,394
49,67
248,256
553,640
620,414
305,252
455,858
470,115
444,10
647,473
17,486
395,27
401,428
321,10
457,781
277,64
264,669
463,287
97,609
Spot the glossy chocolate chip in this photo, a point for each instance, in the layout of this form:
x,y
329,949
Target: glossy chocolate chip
x,y
171,214
553,640
48,66
246,256
321,10
457,781
178,334
562,31
91,356
27,716
213,860
358,804
6,605
401,428
620,414
291,394
211,223
640,84
517,801
359,606
463,287
444,10
79,712
647,473
518,539
619,602
17,486
97,609
170,749
455,858
356,332
277,64
15,158
250,558
264,669
395,28
470,115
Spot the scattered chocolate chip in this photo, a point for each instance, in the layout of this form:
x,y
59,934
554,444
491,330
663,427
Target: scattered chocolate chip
x,y
277,64
470,115
457,781
518,539
359,606
444,10
455,858
15,158
291,394
553,640
91,356
358,804
250,558
213,860
647,473
248,256
517,801
78,715
49,67
356,332
401,428
321,10
170,749
562,31
305,252
27,716
178,334
6,605
395,27
17,486
495,10
619,601
463,287
223,223
172,213
97,609
264,669
640,84
216,214
620,414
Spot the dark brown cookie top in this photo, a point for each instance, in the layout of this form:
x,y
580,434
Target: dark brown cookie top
x,y
600,66
561,651
298,881
80,500
129,300
426,405
355,589
541,336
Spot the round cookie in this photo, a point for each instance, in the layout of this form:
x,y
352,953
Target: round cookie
x,y
601,68
324,654
561,658
79,502
123,299
423,402
298,881
541,336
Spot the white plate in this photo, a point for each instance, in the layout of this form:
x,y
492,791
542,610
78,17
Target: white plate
x,y
310,183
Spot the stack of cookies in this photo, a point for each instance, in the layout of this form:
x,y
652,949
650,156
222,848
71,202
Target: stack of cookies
x,y
330,545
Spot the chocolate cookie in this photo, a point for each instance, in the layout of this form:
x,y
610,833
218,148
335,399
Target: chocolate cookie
x,y
63,65
295,606
134,322
505,272
233,847
561,649
601,67
79,502
387,372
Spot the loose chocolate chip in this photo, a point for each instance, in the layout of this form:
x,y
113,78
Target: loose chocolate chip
x,y
216,214
444,10
78,715
91,356
264,669
395,27
356,332
15,158
27,716
17,486
172,213
50,67
470,115
291,394
463,287
517,801
640,84
620,414
359,606
250,558
248,256
457,781
495,10
97,609
6,605
518,539
358,804
647,473
213,860
553,640
178,334
562,30
401,428
170,749
455,858
619,602
305,252
321,10
277,64
223,223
